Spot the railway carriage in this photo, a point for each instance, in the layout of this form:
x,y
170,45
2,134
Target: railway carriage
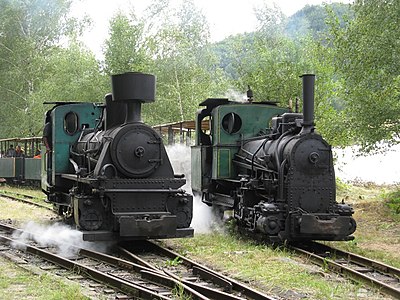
x,y
24,169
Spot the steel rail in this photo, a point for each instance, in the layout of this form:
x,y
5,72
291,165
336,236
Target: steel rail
x,y
207,292
355,275
227,283
2,194
125,286
146,273
360,260
151,274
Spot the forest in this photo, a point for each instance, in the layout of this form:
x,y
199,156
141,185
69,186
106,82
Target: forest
x,y
354,49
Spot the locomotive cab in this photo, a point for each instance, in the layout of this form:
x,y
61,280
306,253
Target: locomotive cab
x,y
215,151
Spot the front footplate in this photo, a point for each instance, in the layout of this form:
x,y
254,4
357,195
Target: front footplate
x,y
132,228
335,227
164,227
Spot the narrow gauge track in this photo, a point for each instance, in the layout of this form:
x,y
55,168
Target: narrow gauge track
x,y
198,277
123,275
21,198
133,279
373,273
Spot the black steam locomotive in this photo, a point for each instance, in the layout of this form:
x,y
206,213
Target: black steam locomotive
x,y
280,181
109,172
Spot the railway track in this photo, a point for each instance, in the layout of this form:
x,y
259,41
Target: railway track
x,y
141,279
203,281
24,199
209,283
378,275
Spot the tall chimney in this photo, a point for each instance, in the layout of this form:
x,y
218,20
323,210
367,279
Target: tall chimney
x,y
133,89
308,102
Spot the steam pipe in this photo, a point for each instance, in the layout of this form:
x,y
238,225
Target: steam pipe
x,y
308,102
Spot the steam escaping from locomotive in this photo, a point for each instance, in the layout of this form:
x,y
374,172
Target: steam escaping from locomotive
x,y
204,219
280,180
67,241
109,172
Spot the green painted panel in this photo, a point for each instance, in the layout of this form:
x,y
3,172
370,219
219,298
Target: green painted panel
x,y
254,118
196,168
87,114
224,163
222,166
201,167
7,167
32,168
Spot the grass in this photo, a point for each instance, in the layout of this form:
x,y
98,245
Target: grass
x,y
24,190
277,270
393,202
378,223
20,213
270,270
17,283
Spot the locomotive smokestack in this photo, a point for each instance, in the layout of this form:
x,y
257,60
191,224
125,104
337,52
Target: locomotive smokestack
x,y
133,89
308,102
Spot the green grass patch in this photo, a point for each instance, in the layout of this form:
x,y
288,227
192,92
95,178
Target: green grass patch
x,y
274,270
17,283
378,223
393,202
35,192
21,213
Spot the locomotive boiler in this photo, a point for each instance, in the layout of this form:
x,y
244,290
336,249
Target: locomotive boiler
x,y
279,179
110,173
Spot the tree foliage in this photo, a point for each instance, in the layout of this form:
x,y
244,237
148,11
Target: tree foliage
x,y
367,55
358,82
312,19
174,45
36,62
126,46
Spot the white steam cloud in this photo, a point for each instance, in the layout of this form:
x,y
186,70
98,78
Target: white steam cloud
x,y
204,220
61,237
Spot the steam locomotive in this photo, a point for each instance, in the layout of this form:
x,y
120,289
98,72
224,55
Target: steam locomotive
x,y
280,181
109,172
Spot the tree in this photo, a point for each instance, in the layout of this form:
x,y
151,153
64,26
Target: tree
x,y
173,44
31,34
368,58
72,75
126,47
185,66
311,19
271,62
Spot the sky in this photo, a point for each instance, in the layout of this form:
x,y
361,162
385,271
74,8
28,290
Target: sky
x,y
225,17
